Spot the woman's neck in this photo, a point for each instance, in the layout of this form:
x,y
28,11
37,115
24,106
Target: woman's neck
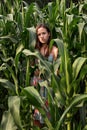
x,y
44,50
44,45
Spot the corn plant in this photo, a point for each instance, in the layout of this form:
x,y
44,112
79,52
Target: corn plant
x,y
17,41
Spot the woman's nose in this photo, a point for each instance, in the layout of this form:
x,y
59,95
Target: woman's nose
x,y
41,35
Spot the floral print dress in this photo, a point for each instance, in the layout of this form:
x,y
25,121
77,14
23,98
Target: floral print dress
x,y
43,92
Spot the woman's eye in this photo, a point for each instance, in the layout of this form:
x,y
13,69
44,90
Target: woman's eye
x,y
43,33
39,34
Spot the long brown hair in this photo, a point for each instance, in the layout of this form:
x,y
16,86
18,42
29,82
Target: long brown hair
x,y
38,44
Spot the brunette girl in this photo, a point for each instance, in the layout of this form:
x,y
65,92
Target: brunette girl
x,y
43,38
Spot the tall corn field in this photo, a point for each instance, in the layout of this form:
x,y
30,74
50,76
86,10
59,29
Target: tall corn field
x,y
68,25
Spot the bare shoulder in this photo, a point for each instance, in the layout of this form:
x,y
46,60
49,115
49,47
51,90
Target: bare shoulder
x,y
54,51
54,48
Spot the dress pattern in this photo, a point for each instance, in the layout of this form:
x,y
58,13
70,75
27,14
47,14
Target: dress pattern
x,y
43,93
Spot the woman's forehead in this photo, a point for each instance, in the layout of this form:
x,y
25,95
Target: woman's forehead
x,y
41,29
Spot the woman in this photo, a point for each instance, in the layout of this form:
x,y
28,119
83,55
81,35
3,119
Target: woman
x,y
43,38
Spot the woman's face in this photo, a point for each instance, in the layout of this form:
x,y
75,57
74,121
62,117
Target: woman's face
x,y
43,35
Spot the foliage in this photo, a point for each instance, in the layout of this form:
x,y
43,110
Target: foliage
x,y
17,41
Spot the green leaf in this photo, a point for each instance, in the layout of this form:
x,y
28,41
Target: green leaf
x,y
78,63
34,97
76,100
14,107
38,55
69,18
60,46
80,28
62,8
81,8
9,37
85,128
7,122
7,84
18,51
32,37
55,83
10,17
13,76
